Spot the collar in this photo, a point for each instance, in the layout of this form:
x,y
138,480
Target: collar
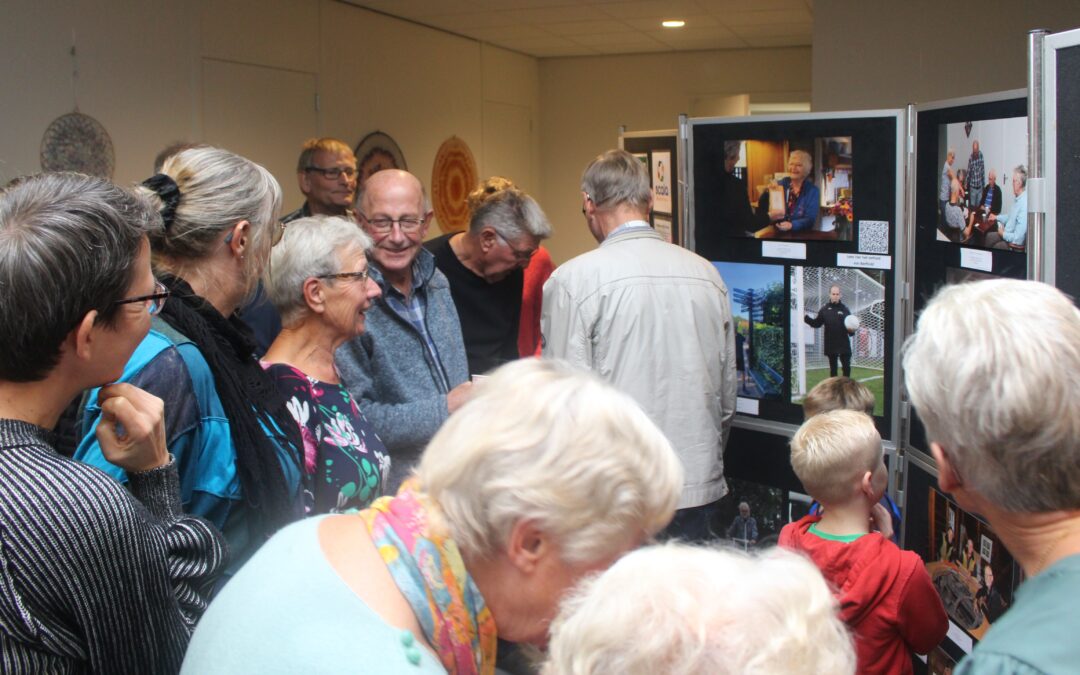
x,y
630,229
423,268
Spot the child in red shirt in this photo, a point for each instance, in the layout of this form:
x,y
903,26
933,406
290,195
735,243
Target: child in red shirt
x,y
886,596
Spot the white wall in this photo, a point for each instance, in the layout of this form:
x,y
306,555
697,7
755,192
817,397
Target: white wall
x,y
244,74
885,54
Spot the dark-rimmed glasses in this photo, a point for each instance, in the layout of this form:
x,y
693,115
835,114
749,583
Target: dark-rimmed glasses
x,y
154,302
409,224
334,172
360,276
520,254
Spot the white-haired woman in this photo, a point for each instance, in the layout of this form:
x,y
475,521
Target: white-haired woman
x,y
1012,456
693,610
319,284
547,474
235,443
802,199
484,267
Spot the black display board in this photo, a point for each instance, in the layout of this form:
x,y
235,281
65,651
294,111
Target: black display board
x,y
939,256
855,176
645,147
1067,171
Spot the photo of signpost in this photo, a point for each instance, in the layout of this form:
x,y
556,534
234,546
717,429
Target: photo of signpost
x,y
757,304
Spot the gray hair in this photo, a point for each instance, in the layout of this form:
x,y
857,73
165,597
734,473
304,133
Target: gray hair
x,y
544,441
68,245
218,189
992,369
701,610
617,177
511,213
1021,171
310,247
807,159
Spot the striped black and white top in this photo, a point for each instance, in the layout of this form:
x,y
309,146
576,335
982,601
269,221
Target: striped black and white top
x,y
95,577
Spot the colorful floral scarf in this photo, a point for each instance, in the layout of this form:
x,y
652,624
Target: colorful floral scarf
x,y
429,571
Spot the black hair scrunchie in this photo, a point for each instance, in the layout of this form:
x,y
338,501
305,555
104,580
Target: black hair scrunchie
x,y
169,192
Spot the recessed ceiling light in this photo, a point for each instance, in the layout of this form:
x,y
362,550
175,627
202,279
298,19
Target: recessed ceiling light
x,y
673,23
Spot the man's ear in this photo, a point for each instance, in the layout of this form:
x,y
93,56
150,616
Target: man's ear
x,y
82,339
948,478
426,224
303,179
526,546
487,239
313,295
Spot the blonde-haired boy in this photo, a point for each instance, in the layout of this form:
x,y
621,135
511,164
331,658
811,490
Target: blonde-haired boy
x,y
885,594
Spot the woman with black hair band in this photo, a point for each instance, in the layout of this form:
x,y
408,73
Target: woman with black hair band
x,y
236,446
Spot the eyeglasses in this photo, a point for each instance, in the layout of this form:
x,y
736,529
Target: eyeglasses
x,y
520,254
334,172
408,224
154,302
360,276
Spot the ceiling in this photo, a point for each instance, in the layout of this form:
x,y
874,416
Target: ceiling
x,y
550,28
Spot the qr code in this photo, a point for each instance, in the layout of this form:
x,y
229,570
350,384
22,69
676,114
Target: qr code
x,y
873,236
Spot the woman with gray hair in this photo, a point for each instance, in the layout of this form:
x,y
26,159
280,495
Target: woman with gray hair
x,y
93,577
684,610
484,267
994,371
802,199
545,475
319,284
237,447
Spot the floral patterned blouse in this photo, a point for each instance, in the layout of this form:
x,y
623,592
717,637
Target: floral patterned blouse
x,y
345,463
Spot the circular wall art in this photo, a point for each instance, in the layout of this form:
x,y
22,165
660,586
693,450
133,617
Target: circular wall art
x,y
78,142
375,152
452,177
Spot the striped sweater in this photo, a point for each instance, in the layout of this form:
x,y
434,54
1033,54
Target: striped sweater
x,y
94,578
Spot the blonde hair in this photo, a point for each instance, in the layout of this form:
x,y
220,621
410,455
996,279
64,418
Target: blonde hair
x,y
682,610
831,451
488,189
544,441
838,393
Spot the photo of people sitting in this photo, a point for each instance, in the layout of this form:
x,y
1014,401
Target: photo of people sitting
x,y
970,568
973,207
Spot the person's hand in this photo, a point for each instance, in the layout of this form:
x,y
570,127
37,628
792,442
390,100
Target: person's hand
x,y
992,218
881,521
132,428
459,396
784,226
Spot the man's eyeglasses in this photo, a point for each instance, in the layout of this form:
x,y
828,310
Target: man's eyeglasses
x,y
360,276
153,302
334,172
408,224
520,254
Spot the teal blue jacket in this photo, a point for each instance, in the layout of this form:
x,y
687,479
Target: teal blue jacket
x,y
171,367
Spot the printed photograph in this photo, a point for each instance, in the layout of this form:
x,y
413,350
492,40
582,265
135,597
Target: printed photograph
x,y
797,189
982,189
969,566
757,305
837,328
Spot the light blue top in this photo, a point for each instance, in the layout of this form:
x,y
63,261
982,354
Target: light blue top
x,y
1037,635
1016,223
289,612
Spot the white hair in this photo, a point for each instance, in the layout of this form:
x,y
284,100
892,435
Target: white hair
x,y
544,441
807,159
684,610
309,247
994,371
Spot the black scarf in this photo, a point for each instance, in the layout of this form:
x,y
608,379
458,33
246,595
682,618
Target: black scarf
x,y
251,400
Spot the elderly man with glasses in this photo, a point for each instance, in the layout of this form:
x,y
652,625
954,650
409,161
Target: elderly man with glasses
x,y
408,370
326,173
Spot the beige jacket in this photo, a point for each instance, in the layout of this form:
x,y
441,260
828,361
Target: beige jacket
x,y
654,319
